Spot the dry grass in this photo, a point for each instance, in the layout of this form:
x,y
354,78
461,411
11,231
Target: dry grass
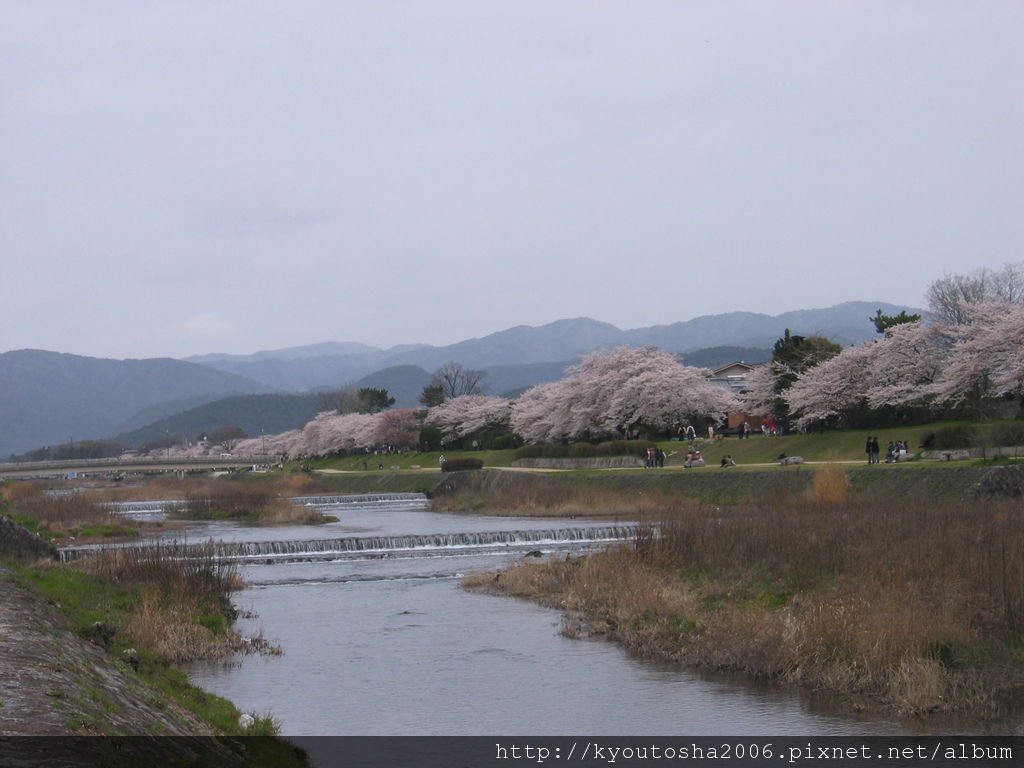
x,y
60,516
203,577
532,499
183,610
830,485
919,607
171,629
265,502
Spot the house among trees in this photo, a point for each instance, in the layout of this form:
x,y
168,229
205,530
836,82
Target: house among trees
x,y
733,377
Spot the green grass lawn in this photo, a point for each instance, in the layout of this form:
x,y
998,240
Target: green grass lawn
x,y
833,445
411,460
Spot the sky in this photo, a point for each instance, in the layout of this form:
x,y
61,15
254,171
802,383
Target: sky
x,y
179,178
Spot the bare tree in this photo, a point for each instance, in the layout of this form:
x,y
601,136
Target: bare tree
x,y
454,380
950,297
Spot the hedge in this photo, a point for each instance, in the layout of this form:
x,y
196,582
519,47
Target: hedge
x,y
584,450
457,465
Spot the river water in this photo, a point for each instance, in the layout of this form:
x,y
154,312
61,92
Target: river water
x,y
386,642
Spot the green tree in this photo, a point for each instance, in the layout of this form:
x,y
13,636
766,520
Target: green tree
x,y
432,395
373,400
430,438
884,322
791,356
364,400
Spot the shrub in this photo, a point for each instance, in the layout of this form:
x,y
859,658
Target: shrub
x,y
624,447
503,442
956,436
830,485
529,451
1010,434
584,450
457,465
430,438
556,451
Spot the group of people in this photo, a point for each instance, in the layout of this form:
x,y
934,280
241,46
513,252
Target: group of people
x,y
694,458
655,458
897,450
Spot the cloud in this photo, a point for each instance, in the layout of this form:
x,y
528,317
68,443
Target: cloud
x,y
207,326
258,222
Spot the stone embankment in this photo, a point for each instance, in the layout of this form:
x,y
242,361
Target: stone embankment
x,y
601,462
54,683
1004,482
18,544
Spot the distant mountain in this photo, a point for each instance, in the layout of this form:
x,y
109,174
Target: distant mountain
x,y
255,414
300,369
267,414
844,323
323,349
405,383
304,368
716,357
49,397
510,380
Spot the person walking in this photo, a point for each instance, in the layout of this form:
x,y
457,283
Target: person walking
x,y
870,451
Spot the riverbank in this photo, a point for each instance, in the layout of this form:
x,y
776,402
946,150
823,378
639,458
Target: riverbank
x,y
904,602
75,660
639,494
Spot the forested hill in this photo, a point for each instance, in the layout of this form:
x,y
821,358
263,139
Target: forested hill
x,y
48,398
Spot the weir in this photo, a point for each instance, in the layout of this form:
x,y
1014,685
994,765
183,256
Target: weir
x,y
325,548
362,499
144,506
145,511
155,508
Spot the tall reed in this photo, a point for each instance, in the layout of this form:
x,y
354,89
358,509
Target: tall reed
x,y
919,605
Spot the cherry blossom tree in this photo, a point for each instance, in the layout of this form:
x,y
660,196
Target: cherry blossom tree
x,y
921,364
399,428
828,390
907,363
614,393
758,395
987,357
466,414
539,413
665,393
897,370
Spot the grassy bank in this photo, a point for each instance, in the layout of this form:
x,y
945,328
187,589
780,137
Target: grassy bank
x,y
647,494
152,610
60,519
833,445
262,499
917,607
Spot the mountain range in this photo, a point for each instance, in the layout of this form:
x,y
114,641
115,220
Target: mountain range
x,y
48,398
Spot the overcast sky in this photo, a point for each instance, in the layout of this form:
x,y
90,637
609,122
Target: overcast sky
x,y
188,177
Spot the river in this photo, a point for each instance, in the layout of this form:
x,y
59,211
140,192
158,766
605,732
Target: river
x,y
386,642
